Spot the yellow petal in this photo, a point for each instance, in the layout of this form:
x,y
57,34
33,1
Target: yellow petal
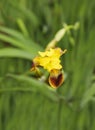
x,y
49,59
47,53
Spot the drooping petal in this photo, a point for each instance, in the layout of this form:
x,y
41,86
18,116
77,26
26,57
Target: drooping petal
x,y
56,78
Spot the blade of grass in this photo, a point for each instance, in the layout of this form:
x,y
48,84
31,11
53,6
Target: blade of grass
x,y
13,52
33,48
36,85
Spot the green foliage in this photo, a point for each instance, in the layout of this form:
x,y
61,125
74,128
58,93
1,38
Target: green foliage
x,y
27,103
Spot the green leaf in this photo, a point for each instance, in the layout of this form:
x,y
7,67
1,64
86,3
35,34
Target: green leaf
x,y
30,15
22,27
36,86
32,48
13,33
13,52
88,96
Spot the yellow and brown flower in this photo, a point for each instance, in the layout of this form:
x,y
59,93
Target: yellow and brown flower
x,y
50,60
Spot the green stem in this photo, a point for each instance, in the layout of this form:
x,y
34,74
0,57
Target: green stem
x,y
59,115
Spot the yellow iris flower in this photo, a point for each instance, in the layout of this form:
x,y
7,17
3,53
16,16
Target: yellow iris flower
x,y
50,60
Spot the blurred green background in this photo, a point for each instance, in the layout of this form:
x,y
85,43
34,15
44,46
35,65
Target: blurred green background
x,y
26,27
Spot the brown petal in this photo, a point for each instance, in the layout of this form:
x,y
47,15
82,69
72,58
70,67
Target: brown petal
x,y
56,81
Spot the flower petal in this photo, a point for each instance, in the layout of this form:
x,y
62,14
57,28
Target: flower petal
x,y
56,78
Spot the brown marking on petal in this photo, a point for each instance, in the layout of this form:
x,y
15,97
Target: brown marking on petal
x,y
56,81
60,79
33,66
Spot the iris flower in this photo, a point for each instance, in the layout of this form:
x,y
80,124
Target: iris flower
x,y
50,60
